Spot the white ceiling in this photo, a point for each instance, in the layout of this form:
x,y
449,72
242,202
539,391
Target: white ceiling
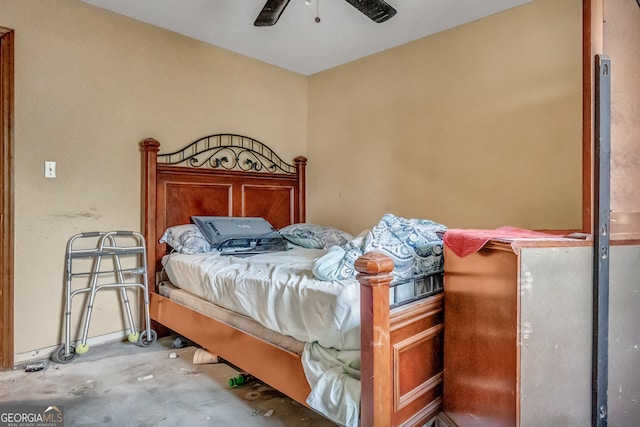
x,y
297,42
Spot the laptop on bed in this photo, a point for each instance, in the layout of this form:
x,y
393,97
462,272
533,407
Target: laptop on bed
x,y
240,235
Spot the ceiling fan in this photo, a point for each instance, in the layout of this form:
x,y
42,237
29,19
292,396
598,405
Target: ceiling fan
x,y
376,10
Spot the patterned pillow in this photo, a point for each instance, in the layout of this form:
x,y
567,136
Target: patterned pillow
x,y
414,245
314,236
186,239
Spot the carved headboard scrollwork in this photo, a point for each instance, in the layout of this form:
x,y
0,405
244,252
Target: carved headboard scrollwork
x,y
229,152
218,175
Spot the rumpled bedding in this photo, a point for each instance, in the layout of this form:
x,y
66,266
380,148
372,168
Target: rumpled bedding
x,y
279,291
336,375
414,245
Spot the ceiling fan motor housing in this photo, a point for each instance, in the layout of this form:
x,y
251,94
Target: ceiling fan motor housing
x,y
376,10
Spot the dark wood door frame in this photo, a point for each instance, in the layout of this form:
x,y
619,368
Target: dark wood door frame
x,y
592,44
6,200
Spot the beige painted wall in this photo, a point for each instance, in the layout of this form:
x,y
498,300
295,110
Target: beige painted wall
x,y
621,35
478,126
457,127
89,86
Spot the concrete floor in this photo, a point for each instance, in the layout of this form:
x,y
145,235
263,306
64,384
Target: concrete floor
x,y
122,384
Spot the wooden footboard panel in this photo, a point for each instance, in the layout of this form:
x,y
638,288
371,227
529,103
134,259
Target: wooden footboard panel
x,y
402,351
274,366
417,332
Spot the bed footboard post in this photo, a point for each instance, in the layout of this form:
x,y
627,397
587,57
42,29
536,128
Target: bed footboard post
x,y
301,165
150,149
374,276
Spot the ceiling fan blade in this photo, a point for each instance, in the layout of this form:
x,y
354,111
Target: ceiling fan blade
x,y
270,13
377,10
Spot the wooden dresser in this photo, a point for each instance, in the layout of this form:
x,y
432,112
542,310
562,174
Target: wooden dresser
x,y
517,344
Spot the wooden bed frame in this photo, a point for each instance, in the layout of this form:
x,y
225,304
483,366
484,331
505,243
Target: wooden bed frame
x,y
232,175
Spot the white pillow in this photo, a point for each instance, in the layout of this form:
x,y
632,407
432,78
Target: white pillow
x,y
186,239
313,236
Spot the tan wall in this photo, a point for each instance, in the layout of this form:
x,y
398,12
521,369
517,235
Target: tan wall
x,y
621,35
89,86
478,126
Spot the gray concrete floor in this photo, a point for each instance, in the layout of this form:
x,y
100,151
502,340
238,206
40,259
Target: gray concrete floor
x,y
122,384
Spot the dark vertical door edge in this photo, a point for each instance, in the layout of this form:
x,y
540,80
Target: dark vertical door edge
x,y
601,248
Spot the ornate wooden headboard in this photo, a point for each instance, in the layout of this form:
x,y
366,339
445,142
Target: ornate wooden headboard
x,y
218,175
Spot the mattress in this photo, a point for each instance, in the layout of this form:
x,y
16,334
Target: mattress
x,y
229,317
278,290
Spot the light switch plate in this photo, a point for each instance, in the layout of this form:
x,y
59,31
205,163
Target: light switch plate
x,y
49,169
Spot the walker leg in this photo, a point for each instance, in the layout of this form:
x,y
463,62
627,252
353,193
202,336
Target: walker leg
x,y
133,334
83,347
66,352
148,336
67,323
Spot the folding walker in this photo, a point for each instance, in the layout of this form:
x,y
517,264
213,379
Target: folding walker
x,y
106,246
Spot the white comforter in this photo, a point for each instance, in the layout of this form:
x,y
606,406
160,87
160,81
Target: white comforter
x,y
279,291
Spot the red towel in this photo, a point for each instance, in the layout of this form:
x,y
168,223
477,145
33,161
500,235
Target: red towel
x,y
464,242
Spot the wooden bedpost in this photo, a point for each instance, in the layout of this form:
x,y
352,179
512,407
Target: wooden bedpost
x,y
149,162
375,364
301,164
